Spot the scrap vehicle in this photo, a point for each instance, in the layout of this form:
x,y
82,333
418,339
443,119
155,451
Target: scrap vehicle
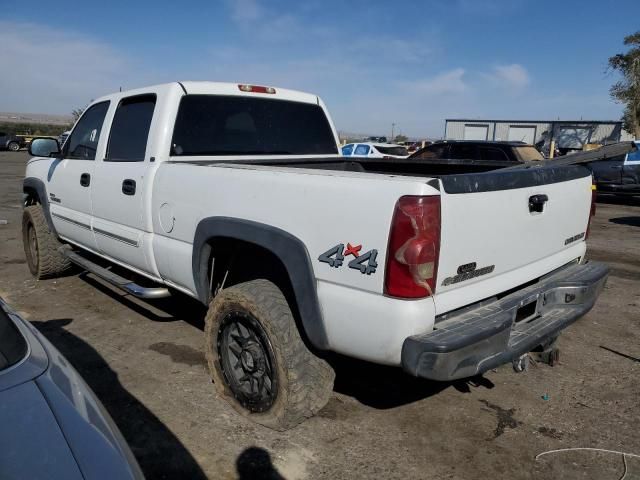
x,y
11,142
499,153
238,196
374,150
619,175
53,426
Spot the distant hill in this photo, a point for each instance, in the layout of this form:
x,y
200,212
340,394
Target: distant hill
x,y
35,118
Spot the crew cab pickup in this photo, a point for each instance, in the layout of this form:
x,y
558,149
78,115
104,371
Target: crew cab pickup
x,y
237,195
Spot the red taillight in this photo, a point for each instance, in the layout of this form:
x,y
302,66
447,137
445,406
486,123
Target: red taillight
x,y
414,248
592,211
256,89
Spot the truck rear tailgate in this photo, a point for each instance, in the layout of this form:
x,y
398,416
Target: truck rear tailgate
x,y
502,229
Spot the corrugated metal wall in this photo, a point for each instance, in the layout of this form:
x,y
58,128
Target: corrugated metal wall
x,y
502,129
597,132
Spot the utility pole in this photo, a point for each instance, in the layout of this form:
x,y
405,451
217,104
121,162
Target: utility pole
x,y
393,126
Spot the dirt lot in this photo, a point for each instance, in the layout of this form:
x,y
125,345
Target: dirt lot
x,y
145,362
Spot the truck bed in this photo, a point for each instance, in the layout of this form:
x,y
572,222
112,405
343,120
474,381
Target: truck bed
x,y
434,168
456,176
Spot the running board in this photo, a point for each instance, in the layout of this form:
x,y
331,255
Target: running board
x,y
114,279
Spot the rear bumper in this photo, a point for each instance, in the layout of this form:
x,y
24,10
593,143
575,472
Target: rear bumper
x,y
480,338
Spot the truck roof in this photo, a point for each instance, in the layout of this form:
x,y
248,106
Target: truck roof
x,y
221,88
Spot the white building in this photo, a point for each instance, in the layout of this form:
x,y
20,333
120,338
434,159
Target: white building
x,y
567,134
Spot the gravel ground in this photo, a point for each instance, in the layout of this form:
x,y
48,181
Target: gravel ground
x,y
145,361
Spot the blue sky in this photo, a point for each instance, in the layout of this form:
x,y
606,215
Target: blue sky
x,y
413,63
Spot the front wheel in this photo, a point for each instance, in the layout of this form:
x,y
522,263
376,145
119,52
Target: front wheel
x,y
257,359
13,146
41,247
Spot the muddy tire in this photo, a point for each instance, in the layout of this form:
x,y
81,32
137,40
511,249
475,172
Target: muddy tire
x,y
41,246
259,363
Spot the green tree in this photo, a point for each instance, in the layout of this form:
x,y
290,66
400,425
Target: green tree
x,y
627,89
76,113
400,138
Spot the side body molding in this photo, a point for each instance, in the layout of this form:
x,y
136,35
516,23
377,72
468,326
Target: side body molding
x,y
289,249
38,185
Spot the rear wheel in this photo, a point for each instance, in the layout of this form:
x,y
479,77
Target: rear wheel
x,y
13,146
41,246
257,359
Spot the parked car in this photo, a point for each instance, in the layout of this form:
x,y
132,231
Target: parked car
x,y
619,175
376,139
53,426
11,142
238,196
507,152
374,150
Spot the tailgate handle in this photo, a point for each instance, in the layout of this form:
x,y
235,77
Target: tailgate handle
x,y
536,203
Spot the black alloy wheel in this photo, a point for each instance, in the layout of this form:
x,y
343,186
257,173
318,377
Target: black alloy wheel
x,y
247,361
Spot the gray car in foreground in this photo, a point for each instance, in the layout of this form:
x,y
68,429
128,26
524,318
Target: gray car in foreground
x,y
52,425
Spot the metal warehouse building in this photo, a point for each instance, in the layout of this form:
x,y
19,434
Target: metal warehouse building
x,y
567,134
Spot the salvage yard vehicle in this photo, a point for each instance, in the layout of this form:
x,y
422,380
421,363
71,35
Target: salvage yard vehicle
x,y
11,142
53,426
238,196
619,175
374,150
503,152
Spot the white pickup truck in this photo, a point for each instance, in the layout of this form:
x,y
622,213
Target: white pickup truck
x,y
237,196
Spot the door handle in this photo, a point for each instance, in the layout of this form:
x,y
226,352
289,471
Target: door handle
x,y
129,187
536,203
616,167
85,179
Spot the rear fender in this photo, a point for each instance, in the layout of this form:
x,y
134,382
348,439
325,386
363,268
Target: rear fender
x,y
289,249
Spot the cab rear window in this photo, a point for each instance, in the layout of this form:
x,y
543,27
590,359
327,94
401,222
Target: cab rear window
x,y
240,125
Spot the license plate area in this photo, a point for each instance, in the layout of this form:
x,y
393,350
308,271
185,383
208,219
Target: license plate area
x,y
527,311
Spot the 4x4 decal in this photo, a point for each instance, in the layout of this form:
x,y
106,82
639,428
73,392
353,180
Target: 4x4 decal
x,y
365,263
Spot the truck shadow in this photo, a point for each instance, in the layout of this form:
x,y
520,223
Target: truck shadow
x,y
377,386
385,387
177,307
158,451
254,463
618,200
630,221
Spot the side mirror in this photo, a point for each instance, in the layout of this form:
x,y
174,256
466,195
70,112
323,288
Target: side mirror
x,y
44,147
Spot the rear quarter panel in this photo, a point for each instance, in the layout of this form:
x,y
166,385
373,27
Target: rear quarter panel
x,y
322,209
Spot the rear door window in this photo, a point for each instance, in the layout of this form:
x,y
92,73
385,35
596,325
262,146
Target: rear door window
x,y
463,151
242,125
83,141
435,151
130,129
362,150
493,154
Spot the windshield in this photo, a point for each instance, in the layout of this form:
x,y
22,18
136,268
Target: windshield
x,y
238,125
528,153
400,151
13,346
